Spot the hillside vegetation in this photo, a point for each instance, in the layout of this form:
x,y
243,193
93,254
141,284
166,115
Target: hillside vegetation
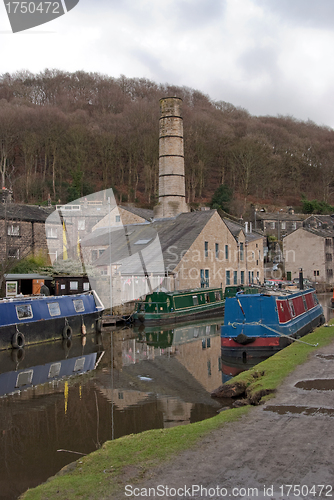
x,y
69,134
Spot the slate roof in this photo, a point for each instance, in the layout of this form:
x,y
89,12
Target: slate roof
x,y
141,212
27,213
281,216
235,229
323,233
176,235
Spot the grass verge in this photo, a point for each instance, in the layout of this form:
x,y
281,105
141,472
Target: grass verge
x,y
99,475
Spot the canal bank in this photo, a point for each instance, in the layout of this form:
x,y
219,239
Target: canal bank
x,y
284,441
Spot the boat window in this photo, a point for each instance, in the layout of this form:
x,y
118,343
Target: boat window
x,y
54,308
54,370
305,303
79,364
24,311
292,309
24,378
73,285
78,305
207,297
217,295
195,300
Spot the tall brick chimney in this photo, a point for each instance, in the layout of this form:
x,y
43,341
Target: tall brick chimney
x,y
172,199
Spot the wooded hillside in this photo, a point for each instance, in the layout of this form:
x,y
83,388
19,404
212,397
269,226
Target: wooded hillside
x,y
70,134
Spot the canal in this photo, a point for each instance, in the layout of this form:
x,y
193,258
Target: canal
x,y
74,396
60,400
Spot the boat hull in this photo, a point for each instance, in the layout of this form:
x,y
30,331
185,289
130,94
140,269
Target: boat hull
x,y
262,328
180,316
41,327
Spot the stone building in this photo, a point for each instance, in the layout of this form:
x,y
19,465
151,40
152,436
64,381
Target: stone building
x,y
312,250
22,230
278,224
192,250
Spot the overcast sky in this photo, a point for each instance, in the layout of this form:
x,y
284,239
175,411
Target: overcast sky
x,y
272,57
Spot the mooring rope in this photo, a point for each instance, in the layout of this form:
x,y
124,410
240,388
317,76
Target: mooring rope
x,y
258,323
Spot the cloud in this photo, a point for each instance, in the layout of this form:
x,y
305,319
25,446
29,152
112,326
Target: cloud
x,y
271,57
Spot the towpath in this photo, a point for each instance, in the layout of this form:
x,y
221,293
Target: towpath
x,y
287,441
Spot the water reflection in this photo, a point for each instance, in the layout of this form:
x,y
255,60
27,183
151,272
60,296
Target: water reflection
x,y
68,396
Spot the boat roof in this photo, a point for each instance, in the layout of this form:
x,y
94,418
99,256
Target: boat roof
x,y
275,292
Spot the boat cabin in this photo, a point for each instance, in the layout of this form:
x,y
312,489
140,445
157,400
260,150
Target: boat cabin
x,y
164,302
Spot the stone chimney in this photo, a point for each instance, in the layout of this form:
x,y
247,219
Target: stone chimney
x,y
172,199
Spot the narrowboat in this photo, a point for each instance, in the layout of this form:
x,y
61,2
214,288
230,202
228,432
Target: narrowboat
x,y
21,369
30,320
259,325
181,305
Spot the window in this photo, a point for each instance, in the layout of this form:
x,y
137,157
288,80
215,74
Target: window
x,y
142,242
94,255
118,218
217,250
85,286
316,273
207,298
101,252
51,232
195,300
81,224
206,249
54,308
283,225
292,308
73,285
54,370
294,226
78,305
242,277
204,278
13,253
226,252
228,278
272,225
329,273
241,251
328,242
328,257
235,277
13,230
217,295
79,364
24,311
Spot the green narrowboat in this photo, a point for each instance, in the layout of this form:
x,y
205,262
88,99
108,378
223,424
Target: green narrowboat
x,y
180,305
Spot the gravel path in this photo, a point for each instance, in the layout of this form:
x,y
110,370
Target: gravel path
x,y
287,441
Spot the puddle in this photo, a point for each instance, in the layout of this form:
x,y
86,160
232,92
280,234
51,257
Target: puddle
x,y
326,384
300,410
325,356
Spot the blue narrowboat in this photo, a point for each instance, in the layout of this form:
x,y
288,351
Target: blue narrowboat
x,y
30,320
259,325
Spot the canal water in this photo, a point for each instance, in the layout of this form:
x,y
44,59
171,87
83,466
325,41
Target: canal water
x,y
73,396
63,399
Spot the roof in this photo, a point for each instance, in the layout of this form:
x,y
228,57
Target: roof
x,y
141,212
235,229
280,216
28,213
323,233
32,276
136,245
